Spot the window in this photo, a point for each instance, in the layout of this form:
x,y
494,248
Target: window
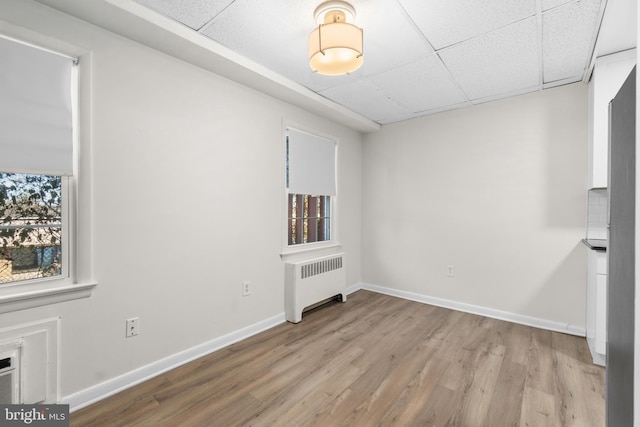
x,y
36,141
309,218
30,227
311,184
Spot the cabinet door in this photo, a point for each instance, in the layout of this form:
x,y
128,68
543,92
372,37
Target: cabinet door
x,y
591,299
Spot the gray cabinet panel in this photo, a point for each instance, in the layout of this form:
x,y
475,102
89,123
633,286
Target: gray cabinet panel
x,y
621,292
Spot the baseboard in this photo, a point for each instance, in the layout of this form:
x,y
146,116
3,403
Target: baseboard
x,y
353,288
482,311
598,359
98,392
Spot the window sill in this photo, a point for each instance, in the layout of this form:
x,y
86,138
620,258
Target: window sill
x,y
293,253
14,299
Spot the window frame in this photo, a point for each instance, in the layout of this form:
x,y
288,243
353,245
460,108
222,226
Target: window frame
x,y
288,250
64,277
77,279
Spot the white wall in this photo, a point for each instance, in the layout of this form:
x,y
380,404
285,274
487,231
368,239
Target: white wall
x,y
186,192
498,191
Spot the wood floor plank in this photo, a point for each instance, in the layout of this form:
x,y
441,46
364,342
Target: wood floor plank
x,y
317,406
575,399
509,387
408,405
459,366
123,404
540,362
538,409
374,360
281,405
440,410
517,343
478,389
410,365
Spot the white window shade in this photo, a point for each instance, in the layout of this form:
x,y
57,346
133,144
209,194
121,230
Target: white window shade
x,y
36,133
311,164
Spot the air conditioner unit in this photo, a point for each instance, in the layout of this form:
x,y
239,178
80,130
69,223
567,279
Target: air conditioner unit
x,y
10,373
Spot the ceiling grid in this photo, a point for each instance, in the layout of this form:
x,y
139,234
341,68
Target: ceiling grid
x,y
421,56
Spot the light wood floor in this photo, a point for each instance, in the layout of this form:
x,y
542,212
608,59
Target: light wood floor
x,y
374,360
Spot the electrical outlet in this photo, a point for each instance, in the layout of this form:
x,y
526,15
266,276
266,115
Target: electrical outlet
x,y
451,271
246,288
133,327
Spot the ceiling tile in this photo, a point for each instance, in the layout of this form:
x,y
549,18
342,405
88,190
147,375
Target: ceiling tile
x,y
550,4
448,22
366,99
499,62
246,28
422,85
567,39
192,13
390,38
258,33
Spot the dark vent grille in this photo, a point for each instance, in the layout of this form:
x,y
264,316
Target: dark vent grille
x,y
320,267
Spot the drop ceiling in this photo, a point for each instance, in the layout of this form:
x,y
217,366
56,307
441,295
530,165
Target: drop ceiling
x,y
420,57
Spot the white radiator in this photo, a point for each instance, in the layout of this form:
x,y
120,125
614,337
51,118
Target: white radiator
x,y
311,281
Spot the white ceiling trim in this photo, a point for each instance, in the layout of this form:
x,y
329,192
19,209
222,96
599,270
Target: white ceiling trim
x,y
594,46
540,43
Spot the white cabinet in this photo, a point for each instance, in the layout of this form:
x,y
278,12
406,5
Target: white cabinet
x,y
609,73
597,305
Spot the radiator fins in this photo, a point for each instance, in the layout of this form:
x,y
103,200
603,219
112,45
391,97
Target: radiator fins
x,y
320,267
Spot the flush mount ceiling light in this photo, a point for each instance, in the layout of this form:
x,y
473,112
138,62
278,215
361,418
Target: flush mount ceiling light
x,y
335,47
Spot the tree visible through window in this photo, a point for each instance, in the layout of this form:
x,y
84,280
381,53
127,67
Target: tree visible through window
x,y
30,226
309,218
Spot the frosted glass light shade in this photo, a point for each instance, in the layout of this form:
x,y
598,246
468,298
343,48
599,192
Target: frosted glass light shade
x,y
335,49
